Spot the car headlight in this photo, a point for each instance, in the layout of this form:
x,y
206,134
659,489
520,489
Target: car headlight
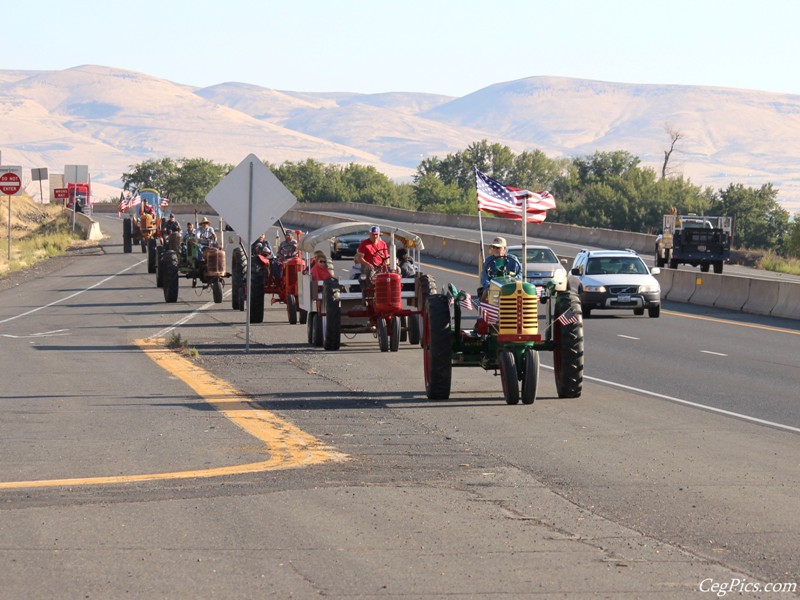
x,y
649,289
594,288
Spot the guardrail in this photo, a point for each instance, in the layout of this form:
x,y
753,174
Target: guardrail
x,y
758,296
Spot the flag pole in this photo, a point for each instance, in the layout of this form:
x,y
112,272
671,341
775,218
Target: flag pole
x,y
525,237
480,223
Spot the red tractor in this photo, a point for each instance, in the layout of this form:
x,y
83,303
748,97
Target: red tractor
x,y
388,306
266,280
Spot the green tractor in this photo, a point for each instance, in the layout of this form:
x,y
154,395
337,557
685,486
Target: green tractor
x,y
507,338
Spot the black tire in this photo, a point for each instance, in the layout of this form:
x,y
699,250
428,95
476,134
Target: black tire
x,y
257,294
568,351
717,266
586,311
127,236
508,374
291,309
660,262
394,334
425,286
654,311
403,329
216,291
673,264
413,329
171,275
638,311
151,255
302,316
238,275
530,377
437,347
318,334
333,315
144,246
310,329
160,266
383,334
704,267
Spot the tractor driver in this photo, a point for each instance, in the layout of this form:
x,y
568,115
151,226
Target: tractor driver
x,y
372,252
286,250
498,259
171,225
206,236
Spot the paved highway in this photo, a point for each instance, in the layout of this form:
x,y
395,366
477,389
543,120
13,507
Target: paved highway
x,y
291,471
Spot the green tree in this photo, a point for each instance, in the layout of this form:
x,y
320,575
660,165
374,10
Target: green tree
x,y
760,221
194,178
156,174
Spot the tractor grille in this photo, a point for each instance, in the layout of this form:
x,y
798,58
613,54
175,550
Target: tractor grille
x,y
519,312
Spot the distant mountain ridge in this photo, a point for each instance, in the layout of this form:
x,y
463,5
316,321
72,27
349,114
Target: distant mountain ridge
x,y
111,119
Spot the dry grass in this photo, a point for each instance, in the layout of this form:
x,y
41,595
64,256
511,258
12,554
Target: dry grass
x,y
38,232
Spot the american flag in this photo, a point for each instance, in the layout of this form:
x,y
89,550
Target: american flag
x,y
567,317
506,201
465,301
164,202
489,312
122,205
134,200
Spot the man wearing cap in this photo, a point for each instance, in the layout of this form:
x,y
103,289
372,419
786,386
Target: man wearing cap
x,y
498,259
171,225
372,252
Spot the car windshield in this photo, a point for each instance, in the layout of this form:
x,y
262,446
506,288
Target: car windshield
x,y
616,265
536,255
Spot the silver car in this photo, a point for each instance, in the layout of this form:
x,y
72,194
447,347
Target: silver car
x,y
542,266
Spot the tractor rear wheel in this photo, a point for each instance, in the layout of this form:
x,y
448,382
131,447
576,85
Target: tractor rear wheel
x,y
216,291
508,373
437,347
568,352
257,294
333,315
127,236
171,274
530,378
160,266
310,328
413,329
291,309
238,274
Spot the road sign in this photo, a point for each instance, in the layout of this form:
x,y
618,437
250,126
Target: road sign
x,y
60,193
10,184
39,174
250,198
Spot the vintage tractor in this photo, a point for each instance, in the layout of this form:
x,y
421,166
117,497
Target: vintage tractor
x,y
182,258
282,289
143,226
507,337
389,307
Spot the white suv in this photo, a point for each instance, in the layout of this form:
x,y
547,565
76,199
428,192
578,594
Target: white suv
x,y
615,279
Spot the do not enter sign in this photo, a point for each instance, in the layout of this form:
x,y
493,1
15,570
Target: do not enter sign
x,y
10,184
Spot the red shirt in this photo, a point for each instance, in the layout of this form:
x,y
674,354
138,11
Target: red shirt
x,y
374,253
320,272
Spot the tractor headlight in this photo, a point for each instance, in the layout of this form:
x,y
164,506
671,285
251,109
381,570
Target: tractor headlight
x,y
594,288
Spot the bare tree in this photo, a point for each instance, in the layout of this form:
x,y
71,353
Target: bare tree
x,y
674,136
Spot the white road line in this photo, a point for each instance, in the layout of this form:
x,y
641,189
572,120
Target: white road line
x,y
714,353
78,293
628,337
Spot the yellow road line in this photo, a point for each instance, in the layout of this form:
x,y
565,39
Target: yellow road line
x,y
287,446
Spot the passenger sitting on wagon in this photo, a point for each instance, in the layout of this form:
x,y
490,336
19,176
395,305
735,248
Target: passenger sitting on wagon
x,y
406,265
372,253
321,268
286,250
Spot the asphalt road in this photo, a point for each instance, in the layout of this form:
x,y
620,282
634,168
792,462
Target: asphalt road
x,y
288,471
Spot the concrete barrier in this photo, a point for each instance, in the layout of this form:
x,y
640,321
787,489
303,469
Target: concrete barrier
x,y
683,286
788,304
665,281
708,287
762,298
734,293
90,229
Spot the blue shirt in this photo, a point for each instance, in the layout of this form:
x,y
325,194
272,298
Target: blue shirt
x,y
513,267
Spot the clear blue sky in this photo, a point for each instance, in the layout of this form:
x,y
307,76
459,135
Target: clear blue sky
x,y
451,47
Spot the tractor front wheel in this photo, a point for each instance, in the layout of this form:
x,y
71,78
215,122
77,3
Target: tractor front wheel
x,y
530,378
127,236
413,329
508,373
216,291
394,334
383,335
291,309
437,347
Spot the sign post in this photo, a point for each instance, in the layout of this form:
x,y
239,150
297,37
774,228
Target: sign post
x,y
10,185
38,175
250,199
